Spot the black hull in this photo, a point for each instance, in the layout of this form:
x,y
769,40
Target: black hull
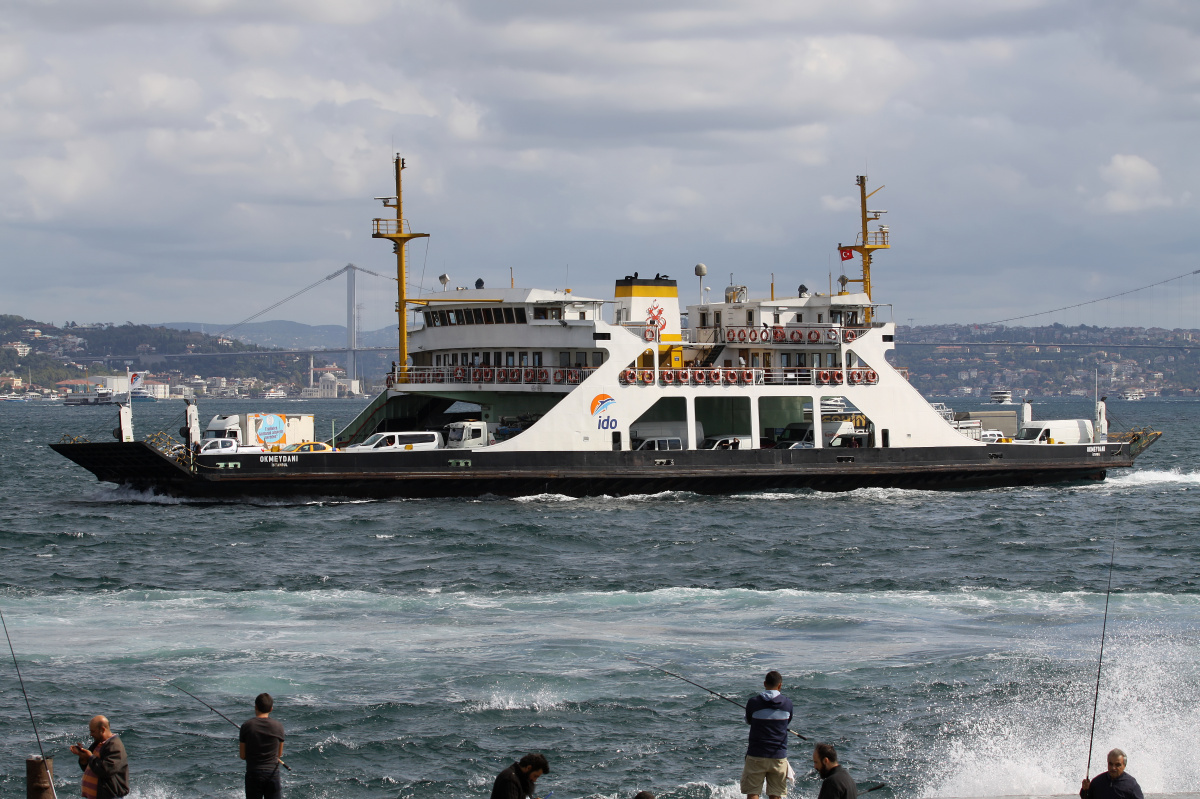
x,y
471,473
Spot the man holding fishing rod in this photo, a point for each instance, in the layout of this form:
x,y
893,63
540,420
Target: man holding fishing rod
x,y
260,744
768,713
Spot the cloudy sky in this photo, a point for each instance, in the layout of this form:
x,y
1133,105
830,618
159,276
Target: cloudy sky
x,y
201,159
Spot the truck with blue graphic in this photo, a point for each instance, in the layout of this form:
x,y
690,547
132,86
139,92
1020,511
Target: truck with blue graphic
x,y
270,431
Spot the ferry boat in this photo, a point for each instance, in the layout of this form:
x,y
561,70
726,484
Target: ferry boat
x,y
751,394
1133,394
1002,396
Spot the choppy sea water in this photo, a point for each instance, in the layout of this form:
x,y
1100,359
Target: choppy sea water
x,y
945,642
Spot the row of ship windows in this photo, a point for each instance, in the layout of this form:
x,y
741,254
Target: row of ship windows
x,y
835,318
566,359
579,360
492,316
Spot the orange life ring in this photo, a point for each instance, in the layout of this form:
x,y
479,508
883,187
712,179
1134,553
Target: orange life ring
x,y
797,335
488,374
714,376
647,377
476,375
779,333
856,376
730,334
831,335
730,376
814,336
701,377
460,374
823,376
530,375
753,335
440,376
741,334
683,377
543,375
848,336
871,376
668,376
648,334
573,375
629,375
390,381
837,376
558,375
501,375
747,376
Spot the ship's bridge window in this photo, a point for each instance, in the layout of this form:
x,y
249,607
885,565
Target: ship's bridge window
x,y
540,313
703,319
776,317
443,318
583,315
478,314
508,316
520,314
835,317
749,318
716,318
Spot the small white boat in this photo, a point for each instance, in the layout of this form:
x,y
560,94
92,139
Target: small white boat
x,y
1002,396
1133,394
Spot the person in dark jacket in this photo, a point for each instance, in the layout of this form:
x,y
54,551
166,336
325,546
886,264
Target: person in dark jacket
x,y
1114,783
518,780
768,715
836,782
105,765
260,744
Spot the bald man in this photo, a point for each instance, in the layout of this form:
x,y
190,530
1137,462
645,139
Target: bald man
x,y
105,765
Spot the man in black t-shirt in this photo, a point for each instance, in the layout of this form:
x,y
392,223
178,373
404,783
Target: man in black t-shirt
x,y
261,746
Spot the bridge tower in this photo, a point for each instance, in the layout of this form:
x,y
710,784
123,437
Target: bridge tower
x,y
394,230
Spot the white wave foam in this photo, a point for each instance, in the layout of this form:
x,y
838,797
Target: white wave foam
x,y
1151,477
539,700
545,498
1034,740
384,537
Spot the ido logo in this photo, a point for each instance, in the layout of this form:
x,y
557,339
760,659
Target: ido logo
x,y
271,428
600,404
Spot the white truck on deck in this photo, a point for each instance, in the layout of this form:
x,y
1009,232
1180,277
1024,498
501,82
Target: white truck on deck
x,y
271,431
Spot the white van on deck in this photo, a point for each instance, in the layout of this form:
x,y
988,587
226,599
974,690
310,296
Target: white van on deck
x,y
392,442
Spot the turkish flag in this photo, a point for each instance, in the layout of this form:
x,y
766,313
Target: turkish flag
x,y
847,254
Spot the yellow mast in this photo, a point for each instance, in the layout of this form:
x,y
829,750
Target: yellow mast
x,y
868,242
393,229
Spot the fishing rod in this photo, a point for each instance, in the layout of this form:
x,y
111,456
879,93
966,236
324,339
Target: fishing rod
x,y
28,706
702,688
214,710
1103,629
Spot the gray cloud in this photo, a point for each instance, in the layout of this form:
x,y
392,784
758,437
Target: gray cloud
x,y
157,156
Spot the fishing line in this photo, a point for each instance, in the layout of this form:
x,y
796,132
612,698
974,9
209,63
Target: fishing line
x,y
28,706
1103,630
214,710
